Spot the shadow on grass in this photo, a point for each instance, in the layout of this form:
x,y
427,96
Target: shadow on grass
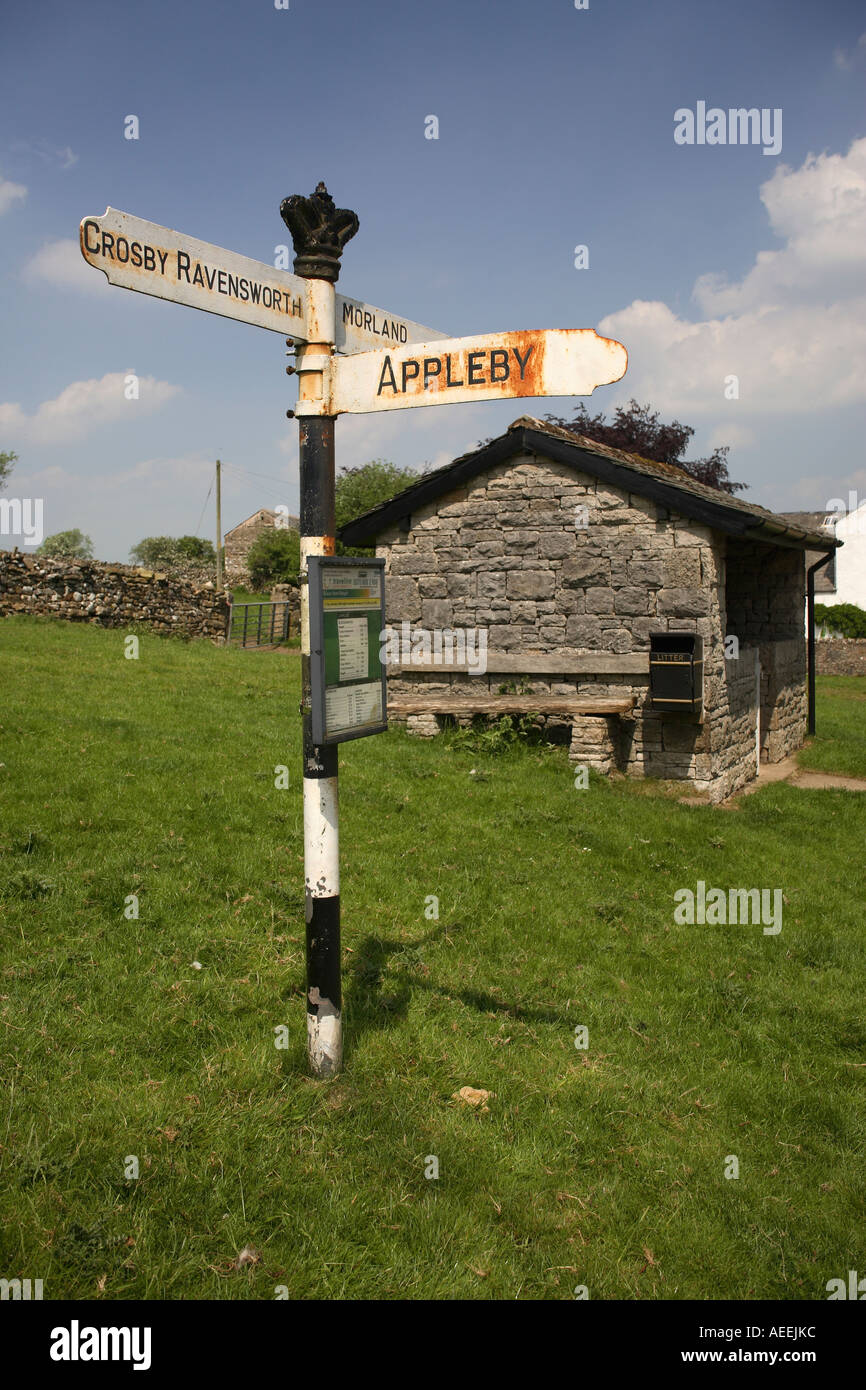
x,y
375,998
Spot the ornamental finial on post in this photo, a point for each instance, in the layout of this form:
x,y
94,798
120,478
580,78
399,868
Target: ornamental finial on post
x,y
319,232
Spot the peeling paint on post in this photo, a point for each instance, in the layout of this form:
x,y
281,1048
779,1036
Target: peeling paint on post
x,y
319,232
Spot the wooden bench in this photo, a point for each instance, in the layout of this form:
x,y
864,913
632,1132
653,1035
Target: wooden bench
x,y
441,702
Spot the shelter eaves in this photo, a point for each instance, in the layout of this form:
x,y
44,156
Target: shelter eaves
x,y
669,487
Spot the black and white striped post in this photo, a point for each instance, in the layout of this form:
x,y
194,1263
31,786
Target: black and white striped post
x,y
319,232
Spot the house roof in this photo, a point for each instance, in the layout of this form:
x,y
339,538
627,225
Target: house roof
x,y
261,511
668,486
811,521
825,578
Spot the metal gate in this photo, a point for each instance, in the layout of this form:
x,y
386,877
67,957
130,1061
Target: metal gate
x,y
261,624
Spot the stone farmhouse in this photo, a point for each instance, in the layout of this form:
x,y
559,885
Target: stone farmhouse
x,y
237,541
656,621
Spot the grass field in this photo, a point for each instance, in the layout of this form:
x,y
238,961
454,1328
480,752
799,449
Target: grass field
x,y
602,1166
839,745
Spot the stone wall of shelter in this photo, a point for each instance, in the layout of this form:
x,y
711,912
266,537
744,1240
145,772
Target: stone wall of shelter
x,y
550,561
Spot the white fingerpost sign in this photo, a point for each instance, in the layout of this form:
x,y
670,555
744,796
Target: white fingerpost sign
x,y
350,358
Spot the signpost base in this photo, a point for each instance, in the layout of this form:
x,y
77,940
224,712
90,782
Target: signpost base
x,y
322,880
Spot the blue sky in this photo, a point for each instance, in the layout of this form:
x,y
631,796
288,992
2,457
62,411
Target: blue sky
x,y
555,129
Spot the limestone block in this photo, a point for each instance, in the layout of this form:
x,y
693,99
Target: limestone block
x,y
529,584
435,613
583,569
422,725
521,542
683,603
432,586
459,586
491,584
523,612
413,564
401,598
599,601
683,569
632,601
556,545
583,632
647,574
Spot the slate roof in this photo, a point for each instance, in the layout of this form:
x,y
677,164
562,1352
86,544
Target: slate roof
x,y
293,521
811,521
669,487
825,578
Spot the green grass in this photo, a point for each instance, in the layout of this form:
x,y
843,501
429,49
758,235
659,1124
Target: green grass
x,y
156,778
248,596
839,745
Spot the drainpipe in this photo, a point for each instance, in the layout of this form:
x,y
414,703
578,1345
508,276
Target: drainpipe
x,y
810,634
757,711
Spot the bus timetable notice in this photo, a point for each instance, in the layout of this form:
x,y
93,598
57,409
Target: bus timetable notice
x,y
347,618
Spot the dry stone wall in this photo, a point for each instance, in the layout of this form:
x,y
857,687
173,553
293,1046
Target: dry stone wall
x,y
110,595
840,656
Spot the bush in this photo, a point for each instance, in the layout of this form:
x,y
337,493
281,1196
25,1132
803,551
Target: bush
x,y
493,736
841,619
67,545
274,558
169,552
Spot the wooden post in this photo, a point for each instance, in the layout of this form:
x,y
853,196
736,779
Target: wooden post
x,y
219,539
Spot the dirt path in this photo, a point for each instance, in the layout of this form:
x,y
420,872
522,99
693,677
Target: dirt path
x,y
788,770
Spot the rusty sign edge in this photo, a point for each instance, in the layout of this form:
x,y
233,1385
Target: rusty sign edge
x,y
354,390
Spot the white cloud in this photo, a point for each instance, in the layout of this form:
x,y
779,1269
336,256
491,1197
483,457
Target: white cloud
x,y
10,194
83,406
793,330
61,264
47,151
819,211
845,60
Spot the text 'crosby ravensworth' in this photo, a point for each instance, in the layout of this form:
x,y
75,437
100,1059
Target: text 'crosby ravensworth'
x,y
180,266
471,369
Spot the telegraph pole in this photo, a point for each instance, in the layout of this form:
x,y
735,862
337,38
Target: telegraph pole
x,y
219,538
319,232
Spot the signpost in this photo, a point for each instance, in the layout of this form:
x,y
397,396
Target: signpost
x,y
360,326
389,363
143,256
546,362
154,260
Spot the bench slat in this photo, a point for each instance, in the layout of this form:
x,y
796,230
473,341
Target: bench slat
x,y
506,704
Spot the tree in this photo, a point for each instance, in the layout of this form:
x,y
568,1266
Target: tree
x,y
274,557
168,552
67,545
637,430
359,490
7,463
196,550
843,619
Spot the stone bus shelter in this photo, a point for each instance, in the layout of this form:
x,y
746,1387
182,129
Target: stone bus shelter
x,y
574,558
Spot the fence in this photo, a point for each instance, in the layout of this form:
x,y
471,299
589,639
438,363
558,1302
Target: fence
x,y
260,624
